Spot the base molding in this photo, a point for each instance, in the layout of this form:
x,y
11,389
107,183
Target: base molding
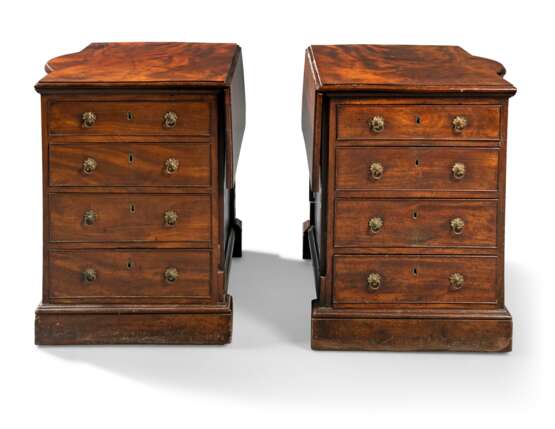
x,y
442,330
73,325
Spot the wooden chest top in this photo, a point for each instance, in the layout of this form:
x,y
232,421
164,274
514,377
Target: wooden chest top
x,y
404,67
138,64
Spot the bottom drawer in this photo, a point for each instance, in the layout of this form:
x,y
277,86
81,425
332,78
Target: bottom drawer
x,y
128,275
384,279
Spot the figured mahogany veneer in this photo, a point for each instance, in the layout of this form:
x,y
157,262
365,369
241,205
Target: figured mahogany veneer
x,y
140,147
406,148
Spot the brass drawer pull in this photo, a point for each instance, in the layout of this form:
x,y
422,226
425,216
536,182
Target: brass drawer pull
x,y
456,280
374,281
89,165
457,225
458,170
376,170
170,120
376,124
89,275
170,218
459,123
88,119
89,217
375,224
172,165
171,274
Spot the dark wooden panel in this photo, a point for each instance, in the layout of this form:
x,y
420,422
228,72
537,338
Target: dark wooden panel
x,y
418,122
416,168
412,334
414,279
129,218
130,118
172,325
128,275
235,117
130,164
415,223
312,105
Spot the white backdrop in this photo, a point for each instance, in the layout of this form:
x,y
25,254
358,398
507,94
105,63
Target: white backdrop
x,y
268,376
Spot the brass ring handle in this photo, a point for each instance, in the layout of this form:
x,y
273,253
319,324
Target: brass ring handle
x,y
89,275
172,165
170,218
376,124
374,281
458,170
456,280
89,217
375,224
88,119
170,119
457,225
171,274
459,123
89,165
376,170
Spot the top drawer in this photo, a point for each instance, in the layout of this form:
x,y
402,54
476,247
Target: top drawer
x,y
415,121
168,118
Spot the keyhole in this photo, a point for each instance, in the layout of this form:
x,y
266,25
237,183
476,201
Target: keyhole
x,y
417,119
130,158
414,271
414,215
131,208
417,162
129,116
129,264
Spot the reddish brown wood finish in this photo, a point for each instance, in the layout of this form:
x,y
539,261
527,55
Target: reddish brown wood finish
x,y
414,279
130,164
126,276
408,223
130,118
418,91
129,244
416,168
414,122
129,218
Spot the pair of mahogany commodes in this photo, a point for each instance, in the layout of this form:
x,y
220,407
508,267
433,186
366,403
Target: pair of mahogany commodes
x,y
406,148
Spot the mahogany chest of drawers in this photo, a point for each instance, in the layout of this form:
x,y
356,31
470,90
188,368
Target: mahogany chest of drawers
x,y
140,147
406,148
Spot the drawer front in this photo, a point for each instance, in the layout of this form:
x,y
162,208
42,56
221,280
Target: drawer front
x,y
367,122
133,274
129,218
423,223
127,164
420,168
414,279
191,118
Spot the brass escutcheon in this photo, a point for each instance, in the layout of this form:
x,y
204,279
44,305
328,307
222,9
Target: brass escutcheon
x,y
376,124
458,170
170,119
88,166
172,165
376,170
88,119
89,217
456,280
375,224
170,218
459,123
457,225
89,275
374,281
171,274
